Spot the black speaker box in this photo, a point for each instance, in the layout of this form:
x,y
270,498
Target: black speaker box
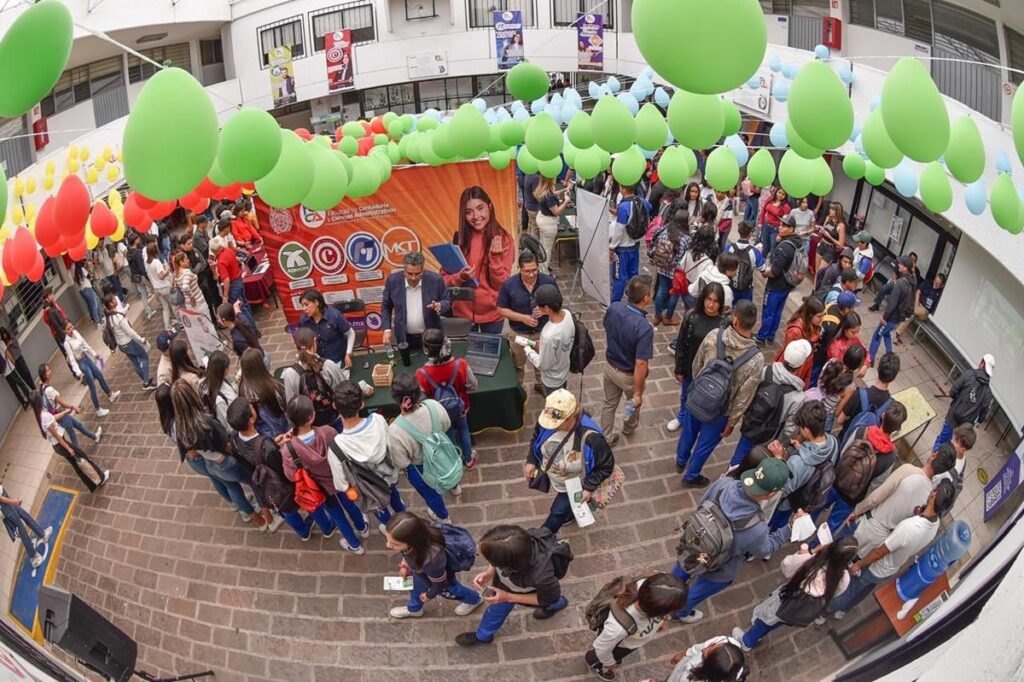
x,y
78,629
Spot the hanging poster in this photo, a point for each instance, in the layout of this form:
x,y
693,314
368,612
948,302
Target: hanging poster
x,y
427,64
508,38
590,42
338,50
282,76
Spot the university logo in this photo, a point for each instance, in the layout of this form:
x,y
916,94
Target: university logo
x,y
398,241
280,221
310,218
364,251
328,255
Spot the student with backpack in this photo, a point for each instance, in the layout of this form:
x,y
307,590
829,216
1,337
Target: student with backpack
x,y
525,567
972,399
830,323
726,371
516,304
360,449
719,659
313,376
631,219
553,359
566,443
811,459
119,332
216,389
827,277
815,578
433,556
804,324
266,392
846,337
848,281
706,316
787,268
726,267
669,244
863,258
834,381
727,526
411,453
748,261
449,381
898,307
626,614
699,258
868,403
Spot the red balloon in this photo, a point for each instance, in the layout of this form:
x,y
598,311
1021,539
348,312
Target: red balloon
x,y
304,133
35,273
338,134
365,145
73,202
377,125
366,127
251,186
54,250
206,188
78,251
135,215
144,203
1,289
24,252
47,228
233,192
102,220
161,209
8,262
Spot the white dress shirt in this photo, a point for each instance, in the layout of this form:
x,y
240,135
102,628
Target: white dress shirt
x,y
414,322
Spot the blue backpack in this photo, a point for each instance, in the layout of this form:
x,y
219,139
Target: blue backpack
x,y
866,417
459,547
446,394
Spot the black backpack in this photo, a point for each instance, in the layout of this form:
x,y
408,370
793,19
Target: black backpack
x,y
743,280
582,346
277,491
706,536
636,228
109,340
800,609
313,385
374,491
813,492
763,419
558,552
708,398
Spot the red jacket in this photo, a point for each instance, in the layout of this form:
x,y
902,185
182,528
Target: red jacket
x,y
443,373
795,332
837,349
483,309
55,326
772,215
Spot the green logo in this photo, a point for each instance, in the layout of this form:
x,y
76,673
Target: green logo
x,y
295,260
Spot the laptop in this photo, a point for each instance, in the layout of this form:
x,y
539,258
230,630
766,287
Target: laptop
x,y
483,352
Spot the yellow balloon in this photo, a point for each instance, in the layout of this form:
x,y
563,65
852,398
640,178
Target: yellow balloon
x,y
91,176
17,215
91,240
3,278
119,232
112,172
5,231
51,167
30,212
100,163
83,154
30,185
64,174
19,187
107,154
114,199
72,165
48,181
73,152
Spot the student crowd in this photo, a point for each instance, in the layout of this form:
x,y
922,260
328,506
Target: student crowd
x,y
300,449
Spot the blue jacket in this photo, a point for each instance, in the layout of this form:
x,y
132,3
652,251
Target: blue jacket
x,y
434,289
598,460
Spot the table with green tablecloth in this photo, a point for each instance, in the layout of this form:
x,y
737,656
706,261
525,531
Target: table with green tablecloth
x,y
497,403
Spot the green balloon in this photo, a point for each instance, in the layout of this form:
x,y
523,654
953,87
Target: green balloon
x,y
408,121
425,123
877,143
721,171
469,131
512,133
395,128
580,131
412,148
527,81
731,119
823,179
874,173
722,55
500,159
629,166
965,155
430,156
934,188
1017,122
329,179
551,167
673,170
389,117
797,174
761,168
696,121
526,162
250,144
321,140
603,157
380,139
819,107
383,165
544,138
365,177
588,163
348,145
219,177
854,166
1005,203
799,145
353,129
494,141
651,129
394,155
914,112
441,143
170,139
613,126
33,54
293,174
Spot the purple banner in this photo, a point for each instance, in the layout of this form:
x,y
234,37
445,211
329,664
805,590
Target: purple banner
x,y
1005,482
508,38
590,42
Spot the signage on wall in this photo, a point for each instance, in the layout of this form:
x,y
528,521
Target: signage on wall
x,y
282,76
508,38
1004,483
589,42
427,64
759,99
338,52
896,230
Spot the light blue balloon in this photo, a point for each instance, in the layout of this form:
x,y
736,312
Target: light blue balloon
x,y
754,83
790,71
821,52
566,113
647,73
538,105
855,133
661,97
556,101
845,74
876,101
445,119
774,63
434,114
480,104
630,102
638,89
648,87
604,90
738,149
490,117
781,91
613,84
593,89
521,115
648,153
516,106
905,179
502,115
1003,164
858,144
670,139
778,135
572,95
976,197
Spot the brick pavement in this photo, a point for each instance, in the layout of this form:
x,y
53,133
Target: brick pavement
x,y
159,553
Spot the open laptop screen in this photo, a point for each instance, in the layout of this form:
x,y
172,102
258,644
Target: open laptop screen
x,y
484,344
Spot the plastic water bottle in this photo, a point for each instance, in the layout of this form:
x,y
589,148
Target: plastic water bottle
x,y
630,409
391,353
933,563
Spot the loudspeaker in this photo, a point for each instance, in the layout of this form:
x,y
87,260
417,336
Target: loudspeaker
x,y
75,627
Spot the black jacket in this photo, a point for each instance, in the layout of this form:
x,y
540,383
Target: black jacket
x,y
598,459
900,304
782,257
136,262
971,398
539,573
694,328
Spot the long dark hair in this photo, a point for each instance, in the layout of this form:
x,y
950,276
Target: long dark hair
x,y
710,288
493,229
723,662
304,338
216,369
35,399
190,420
164,407
226,312
807,310
659,595
678,226
406,392
850,321
834,560
704,243
507,547
835,377
259,384
411,530
181,362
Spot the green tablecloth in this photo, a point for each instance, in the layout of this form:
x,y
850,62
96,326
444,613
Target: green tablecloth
x,y
497,403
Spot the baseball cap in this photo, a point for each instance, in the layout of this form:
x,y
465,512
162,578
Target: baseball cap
x,y
227,215
862,236
907,262
990,363
548,295
797,352
163,341
558,407
767,477
847,299
788,220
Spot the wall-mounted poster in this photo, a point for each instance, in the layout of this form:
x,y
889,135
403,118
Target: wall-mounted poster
x,y
338,50
590,42
508,38
282,76
427,64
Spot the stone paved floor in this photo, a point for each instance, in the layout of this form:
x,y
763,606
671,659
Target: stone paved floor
x,y
159,553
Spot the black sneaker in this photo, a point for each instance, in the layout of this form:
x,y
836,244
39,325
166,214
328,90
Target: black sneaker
x,y
873,308
469,639
544,614
699,482
602,673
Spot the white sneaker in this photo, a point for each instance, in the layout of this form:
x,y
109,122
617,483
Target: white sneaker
x,y
37,561
275,523
464,609
737,634
381,528
360,550
106,477
47,532
695,617
102,412
820,620
365,532
673,426
114,396
456,491
150,314
437,519
839,615
247,518
404,612
99,434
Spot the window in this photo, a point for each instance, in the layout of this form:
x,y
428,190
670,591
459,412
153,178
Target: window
x,y
481,12
24,299
355,16
211,52
286,33
492,89
446,93
1015,52
140,70
776,6
917,20
862,13
965,32
400,99
80,83
810,8
565,11
889,16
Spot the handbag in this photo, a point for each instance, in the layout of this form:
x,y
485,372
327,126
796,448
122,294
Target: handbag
x,y
608,489
540,482
308,494
176,297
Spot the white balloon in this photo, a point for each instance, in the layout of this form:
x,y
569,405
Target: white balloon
x,y
480,104
613,84
630,101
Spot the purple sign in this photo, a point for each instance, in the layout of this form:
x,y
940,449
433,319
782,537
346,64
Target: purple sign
x,y
590,42
1002,486
508,38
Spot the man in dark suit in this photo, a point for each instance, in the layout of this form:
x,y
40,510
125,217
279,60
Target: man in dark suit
x,y
416,300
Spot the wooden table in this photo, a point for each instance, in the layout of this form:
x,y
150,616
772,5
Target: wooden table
x,y
919,414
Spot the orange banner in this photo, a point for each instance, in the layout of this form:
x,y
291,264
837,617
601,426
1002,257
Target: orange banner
x,y
349,251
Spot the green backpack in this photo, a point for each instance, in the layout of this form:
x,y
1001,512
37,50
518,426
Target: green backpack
x,y
442,462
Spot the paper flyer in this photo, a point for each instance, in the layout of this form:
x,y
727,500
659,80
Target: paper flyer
x,y
580,509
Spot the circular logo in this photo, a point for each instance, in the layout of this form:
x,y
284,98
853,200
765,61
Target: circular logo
x,y
334,54
397,242
506,15
280,221
363,250
328,255
294,260
374,321
589,19
310,218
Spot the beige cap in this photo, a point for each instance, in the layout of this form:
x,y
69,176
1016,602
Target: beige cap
x,y
558,407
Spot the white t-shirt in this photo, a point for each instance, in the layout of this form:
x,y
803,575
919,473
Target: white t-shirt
x,y
50,395
158,275
555,345
8,365
907,539
804,221
613,635
47,421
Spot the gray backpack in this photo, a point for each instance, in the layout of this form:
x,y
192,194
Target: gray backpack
x,y
708,398
705,542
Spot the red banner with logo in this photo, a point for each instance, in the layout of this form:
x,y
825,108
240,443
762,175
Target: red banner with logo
x,y
338,53
348,251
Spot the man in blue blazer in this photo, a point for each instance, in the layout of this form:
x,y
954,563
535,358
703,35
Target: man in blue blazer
x,y
414,302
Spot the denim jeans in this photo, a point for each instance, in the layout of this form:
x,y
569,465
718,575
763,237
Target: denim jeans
x,y
137,355
700,589
92,302
92,375
860,587
455,591
21,518
144,290
750,209
337,506
164,247
628,266
163,297
664,302
71,424
560,514
301,526
495,615
768,235
236,292
232,475
771,313
433,498
883,332
548,390
697,441
757,631
396,505
459,434
115,281
945,435
743,448
684,388
198,465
